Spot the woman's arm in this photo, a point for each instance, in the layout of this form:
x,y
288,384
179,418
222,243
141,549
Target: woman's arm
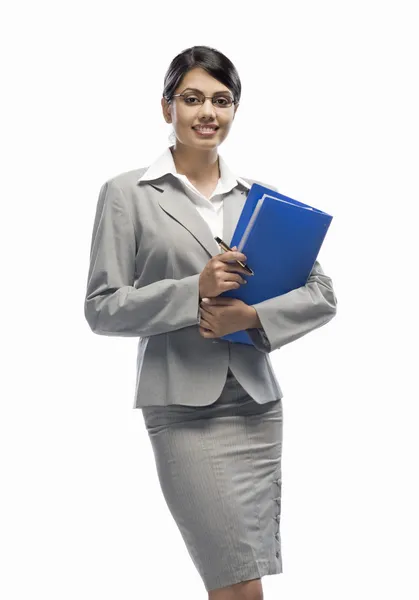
x,y
113,306
288,317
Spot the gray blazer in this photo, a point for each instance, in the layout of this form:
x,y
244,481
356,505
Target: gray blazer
x,y
149,245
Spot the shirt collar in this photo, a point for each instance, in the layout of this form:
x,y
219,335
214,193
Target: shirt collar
x,y
165,164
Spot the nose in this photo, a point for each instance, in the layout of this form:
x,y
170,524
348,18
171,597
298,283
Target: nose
x,y
207,109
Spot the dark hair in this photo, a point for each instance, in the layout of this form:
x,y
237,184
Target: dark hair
x,y
213,61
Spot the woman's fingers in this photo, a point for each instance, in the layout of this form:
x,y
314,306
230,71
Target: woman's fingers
x,y
204,323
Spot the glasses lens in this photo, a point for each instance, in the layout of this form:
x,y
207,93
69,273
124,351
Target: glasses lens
x,y
222,101
193,98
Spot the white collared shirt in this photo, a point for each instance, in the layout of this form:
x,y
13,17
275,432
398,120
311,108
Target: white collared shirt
x,y
210,209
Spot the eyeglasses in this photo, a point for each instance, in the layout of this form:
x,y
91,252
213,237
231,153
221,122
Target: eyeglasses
x,y
197,98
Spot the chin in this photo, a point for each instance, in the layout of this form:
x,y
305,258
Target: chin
x,y
204,143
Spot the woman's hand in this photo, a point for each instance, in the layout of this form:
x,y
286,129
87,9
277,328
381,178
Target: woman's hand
x,y
222,273
221,316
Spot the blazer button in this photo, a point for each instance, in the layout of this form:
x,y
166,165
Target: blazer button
x,y
277,555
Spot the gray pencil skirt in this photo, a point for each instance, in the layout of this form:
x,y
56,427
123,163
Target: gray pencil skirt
x,y
219,468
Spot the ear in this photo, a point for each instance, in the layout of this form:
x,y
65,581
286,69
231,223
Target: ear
x,y
236,106
166,108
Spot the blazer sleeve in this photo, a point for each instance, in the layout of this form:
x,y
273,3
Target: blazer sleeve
x,y
113,305
290,316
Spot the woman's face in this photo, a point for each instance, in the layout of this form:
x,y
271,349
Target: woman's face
x,y
185,117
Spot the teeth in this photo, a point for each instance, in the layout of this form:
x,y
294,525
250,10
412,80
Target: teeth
x,y
205,128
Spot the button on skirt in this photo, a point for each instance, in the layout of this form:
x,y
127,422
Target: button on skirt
x,y
219,468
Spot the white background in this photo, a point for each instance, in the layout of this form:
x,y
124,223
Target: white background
x,y
329,115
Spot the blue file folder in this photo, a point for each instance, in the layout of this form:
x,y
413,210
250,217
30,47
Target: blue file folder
x,y
281,244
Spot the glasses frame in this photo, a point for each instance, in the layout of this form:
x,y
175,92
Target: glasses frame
x,y
205,97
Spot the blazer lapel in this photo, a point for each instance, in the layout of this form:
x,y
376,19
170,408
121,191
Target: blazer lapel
x,y
232,208
173,200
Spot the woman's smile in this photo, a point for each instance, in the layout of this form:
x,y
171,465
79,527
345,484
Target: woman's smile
x,y
203,131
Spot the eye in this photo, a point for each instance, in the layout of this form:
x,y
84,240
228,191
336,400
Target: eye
x,y
223,100
188,98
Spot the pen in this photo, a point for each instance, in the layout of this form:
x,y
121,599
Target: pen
x,y
227,248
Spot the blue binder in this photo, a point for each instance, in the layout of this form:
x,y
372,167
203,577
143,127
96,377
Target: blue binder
x,y
281,246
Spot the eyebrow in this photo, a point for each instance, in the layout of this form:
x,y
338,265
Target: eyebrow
x,y
215,93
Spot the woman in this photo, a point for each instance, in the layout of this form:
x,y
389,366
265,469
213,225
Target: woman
x,y
212,409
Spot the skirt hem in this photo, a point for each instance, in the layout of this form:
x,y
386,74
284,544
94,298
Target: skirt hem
x,y
252,570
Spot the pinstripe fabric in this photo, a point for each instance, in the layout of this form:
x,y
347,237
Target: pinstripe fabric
x,y
219,468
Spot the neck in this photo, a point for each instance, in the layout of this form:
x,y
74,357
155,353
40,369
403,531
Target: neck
x,y
197,165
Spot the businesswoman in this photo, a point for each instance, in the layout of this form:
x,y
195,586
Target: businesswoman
x,y
212,409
